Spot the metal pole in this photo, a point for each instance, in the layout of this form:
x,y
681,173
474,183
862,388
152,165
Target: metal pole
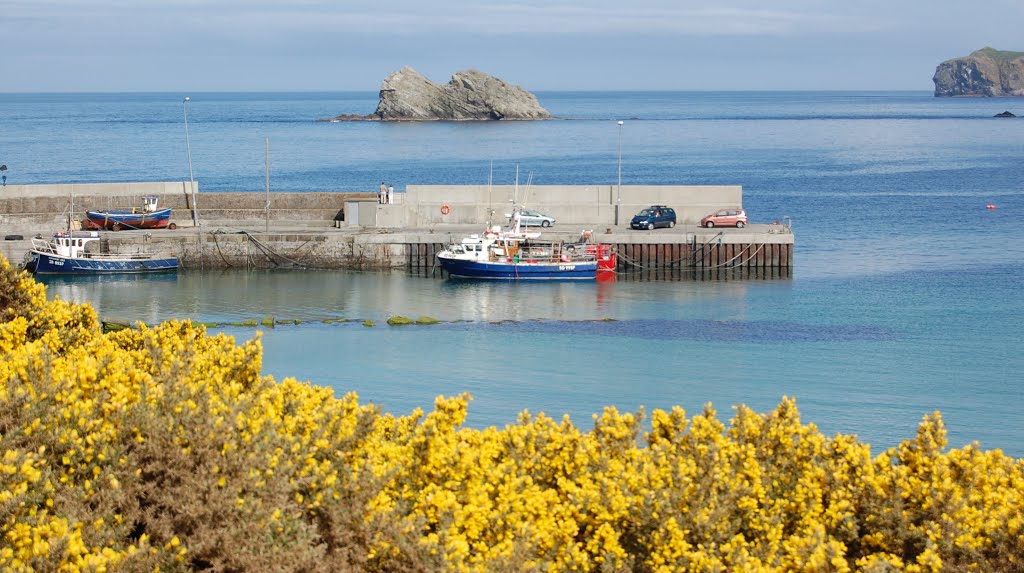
x,y
618,193
267,161
188,149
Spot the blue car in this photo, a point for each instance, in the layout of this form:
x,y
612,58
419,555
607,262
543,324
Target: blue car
x,y
654,216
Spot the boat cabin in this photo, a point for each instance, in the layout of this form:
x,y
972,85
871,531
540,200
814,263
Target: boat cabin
x,y
71,244
149,204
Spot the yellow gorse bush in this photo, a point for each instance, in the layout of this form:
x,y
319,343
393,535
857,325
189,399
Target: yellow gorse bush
x,y
165,449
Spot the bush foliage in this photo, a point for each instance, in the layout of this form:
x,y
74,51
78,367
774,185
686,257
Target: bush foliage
x,y
165,448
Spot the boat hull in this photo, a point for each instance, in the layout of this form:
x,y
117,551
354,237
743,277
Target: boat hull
x,y
586,270
48,264
127,220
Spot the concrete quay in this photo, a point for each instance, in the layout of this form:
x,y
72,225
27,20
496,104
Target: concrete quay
x,y
354,231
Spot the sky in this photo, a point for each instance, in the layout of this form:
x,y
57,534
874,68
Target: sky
x,y
552,45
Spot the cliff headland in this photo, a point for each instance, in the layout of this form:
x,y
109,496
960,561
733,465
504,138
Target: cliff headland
x,y
984,73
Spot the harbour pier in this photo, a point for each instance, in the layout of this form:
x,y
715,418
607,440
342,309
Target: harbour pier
x,y
346,230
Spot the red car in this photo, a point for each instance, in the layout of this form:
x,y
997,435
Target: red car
x,y
725,218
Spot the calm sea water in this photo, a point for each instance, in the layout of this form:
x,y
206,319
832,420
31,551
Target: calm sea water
x,y
905,297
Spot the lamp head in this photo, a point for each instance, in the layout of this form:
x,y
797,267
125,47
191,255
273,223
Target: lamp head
x,y
620,123
187,99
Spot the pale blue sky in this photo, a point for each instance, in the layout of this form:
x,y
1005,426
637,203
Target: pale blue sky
x,y
230,45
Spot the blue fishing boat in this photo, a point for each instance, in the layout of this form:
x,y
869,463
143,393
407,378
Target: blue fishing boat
x,y
519,255
148,217
75,253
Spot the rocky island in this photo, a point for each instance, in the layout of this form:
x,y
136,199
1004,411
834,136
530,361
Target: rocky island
x,y
984,73
471,95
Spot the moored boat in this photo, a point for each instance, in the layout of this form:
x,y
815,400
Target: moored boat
x,y
74,253
518,255
148,217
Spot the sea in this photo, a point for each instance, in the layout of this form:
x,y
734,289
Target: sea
x,y
905,297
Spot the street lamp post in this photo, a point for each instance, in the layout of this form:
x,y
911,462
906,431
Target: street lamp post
x,y
618,192
188,150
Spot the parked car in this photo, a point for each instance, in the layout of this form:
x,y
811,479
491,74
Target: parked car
x,y
725,218
528,218
654,216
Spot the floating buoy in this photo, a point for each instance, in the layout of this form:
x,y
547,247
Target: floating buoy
x,y
990,206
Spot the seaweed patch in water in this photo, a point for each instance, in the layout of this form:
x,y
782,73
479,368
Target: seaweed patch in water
x,y
756,331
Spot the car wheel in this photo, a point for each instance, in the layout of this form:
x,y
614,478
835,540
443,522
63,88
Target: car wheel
x,y
650,226
545,223
172,226
710,224
740,224
671,224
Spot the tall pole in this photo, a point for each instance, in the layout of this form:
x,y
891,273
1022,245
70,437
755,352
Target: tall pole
x,y
267,162
188,149
618,192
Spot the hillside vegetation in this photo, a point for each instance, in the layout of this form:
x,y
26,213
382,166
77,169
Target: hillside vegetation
x,y
165,448
1002,55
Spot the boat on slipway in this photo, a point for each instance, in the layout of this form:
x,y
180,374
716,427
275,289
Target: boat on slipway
x,y
148,217
515,254
77,253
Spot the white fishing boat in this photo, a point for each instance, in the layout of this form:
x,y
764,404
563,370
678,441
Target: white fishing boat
x,y
515,254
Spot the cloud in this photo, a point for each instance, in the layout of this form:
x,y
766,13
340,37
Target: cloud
x,y
409,17
561,44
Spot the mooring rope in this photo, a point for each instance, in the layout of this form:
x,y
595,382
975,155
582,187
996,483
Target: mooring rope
x,y
219,252
752,255
267,250
694,266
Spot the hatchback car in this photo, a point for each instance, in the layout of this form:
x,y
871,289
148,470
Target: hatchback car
x,y
528,218
725,218
654,216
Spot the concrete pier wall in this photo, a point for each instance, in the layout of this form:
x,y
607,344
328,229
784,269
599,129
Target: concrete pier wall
x,y
35,208
766,246
592,205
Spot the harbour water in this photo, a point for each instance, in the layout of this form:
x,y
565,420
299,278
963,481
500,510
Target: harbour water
x,y
905,296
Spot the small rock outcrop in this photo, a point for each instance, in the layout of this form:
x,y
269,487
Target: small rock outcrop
x,y
471,95
984,73
1005,114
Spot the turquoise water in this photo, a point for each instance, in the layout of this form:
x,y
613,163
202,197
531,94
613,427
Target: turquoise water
x,y
905,296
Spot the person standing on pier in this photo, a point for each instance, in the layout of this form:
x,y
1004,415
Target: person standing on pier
x,y
382,194
391,194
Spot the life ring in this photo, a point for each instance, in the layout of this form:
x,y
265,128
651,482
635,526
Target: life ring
x,y
445,209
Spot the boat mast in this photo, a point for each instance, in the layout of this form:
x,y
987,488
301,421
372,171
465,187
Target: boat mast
x,y
490,204
515,191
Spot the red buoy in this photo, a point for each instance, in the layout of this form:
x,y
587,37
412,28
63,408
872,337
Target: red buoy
x,y
990,206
